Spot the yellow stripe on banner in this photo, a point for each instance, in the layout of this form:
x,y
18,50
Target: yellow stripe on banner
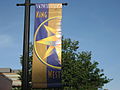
x,y
39,69
56,23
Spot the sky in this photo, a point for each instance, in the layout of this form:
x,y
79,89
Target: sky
x,y
94,23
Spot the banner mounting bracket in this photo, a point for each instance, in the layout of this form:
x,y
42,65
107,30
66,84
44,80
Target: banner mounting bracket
x,y
33,4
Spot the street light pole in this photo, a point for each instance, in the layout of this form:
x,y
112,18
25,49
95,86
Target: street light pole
x,y
25,67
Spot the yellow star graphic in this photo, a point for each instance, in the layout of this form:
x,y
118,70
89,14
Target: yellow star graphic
x,y
53,40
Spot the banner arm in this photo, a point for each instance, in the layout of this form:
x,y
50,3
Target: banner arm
x,y
33,4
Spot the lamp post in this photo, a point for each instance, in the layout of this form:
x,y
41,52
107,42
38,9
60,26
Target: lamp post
x,y
25,63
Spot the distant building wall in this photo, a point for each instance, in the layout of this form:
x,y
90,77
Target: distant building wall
x,y
5,83
12,75
5,70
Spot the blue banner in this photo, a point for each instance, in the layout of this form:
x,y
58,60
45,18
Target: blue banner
x,y
46,66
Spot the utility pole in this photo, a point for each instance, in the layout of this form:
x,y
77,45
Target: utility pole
x,y
25,63
25,68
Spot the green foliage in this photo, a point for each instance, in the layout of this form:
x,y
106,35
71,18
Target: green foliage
x,y
78,71
16,88
30,62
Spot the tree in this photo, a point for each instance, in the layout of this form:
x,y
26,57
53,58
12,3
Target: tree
x,y
78,71
30,63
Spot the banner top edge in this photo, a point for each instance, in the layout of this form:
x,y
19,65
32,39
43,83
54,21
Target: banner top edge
x,y
48,5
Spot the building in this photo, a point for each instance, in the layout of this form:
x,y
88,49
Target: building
x,y
12,75
5,70
5,82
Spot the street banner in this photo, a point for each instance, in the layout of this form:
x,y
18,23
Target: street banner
x,y
46,65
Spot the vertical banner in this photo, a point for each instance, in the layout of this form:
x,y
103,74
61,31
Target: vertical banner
x,y
46,66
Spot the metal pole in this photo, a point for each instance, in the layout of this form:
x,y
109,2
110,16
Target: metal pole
x,y
25,67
